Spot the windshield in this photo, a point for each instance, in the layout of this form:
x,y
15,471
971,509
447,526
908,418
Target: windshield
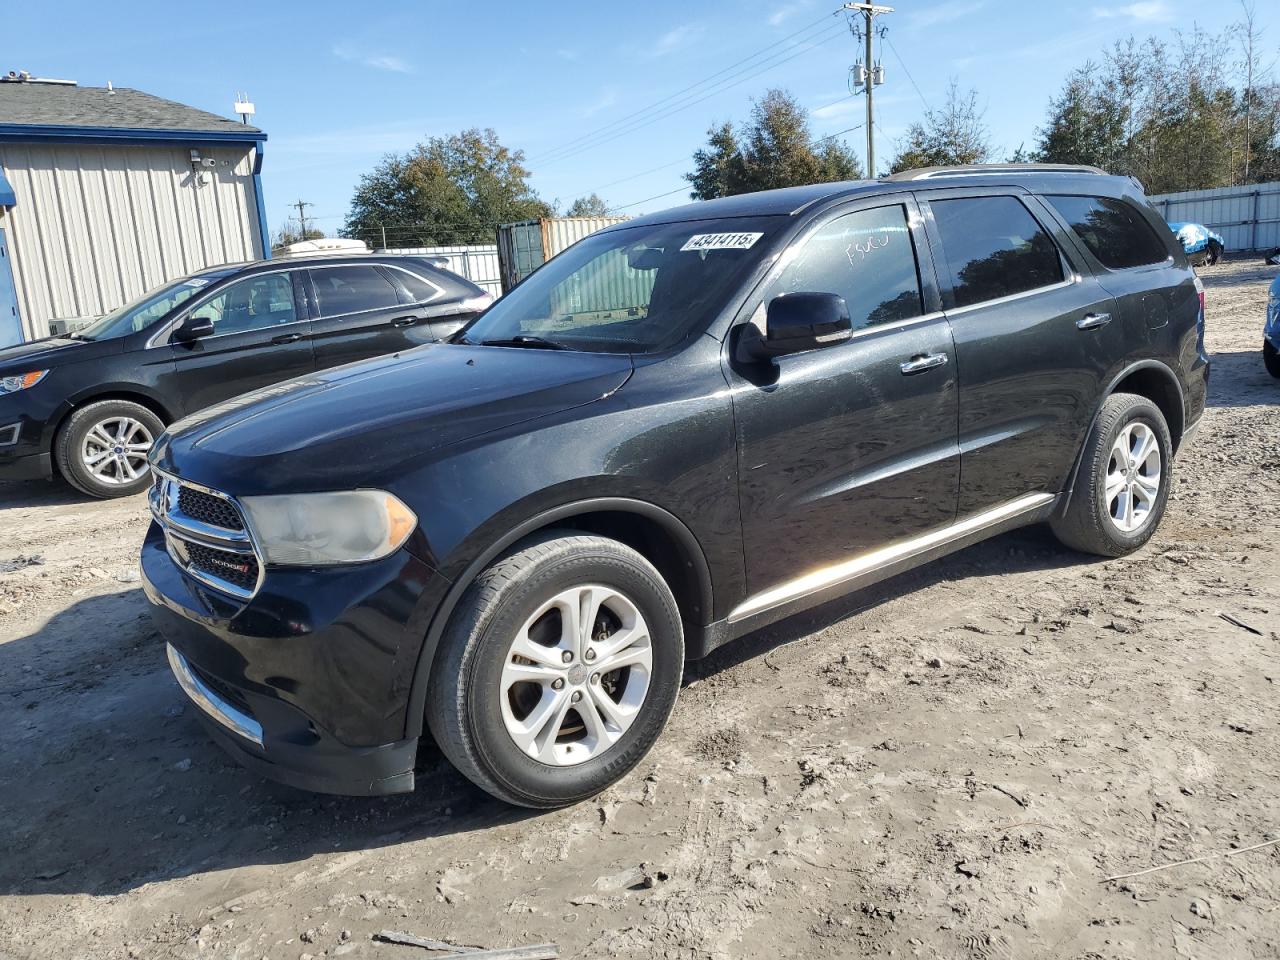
x,y
146,310
632,290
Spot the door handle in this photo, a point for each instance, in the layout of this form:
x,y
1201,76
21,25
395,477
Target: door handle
x,y
926,361
287,338
404,321
1092,321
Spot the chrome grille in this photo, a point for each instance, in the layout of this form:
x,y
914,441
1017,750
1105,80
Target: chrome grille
x,y
209,509
206,536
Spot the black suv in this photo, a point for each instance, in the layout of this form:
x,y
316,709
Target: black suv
x,y
679,430
91,403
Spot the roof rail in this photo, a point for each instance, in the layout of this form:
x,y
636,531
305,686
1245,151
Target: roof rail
x,y
992,169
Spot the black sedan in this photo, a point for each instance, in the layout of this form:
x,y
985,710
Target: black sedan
x,y
90,405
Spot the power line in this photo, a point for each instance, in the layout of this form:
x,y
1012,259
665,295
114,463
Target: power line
x,y
662,101
830,136
727,84
884,38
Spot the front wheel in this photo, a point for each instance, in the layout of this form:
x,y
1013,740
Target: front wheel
x,y
102,448
1271,357
557,671
1215,253
1123,482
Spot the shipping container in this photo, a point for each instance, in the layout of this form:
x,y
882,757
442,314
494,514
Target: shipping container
x,y
527,245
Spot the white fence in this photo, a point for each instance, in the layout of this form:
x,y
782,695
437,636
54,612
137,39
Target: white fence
x,y
1247,217
478,263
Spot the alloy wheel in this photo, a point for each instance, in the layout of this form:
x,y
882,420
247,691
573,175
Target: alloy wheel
x,y
114,451
1133,477
576,675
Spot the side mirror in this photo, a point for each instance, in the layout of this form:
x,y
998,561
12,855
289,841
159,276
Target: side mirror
x,y
193,328
795,322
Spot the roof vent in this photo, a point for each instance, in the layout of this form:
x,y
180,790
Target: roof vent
x,y
24,76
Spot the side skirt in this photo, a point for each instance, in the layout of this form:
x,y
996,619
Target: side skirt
x,y
831,582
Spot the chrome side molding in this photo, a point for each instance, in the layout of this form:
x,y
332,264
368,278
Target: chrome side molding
x,y
846,570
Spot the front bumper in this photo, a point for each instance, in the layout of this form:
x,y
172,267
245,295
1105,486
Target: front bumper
x,y
308,682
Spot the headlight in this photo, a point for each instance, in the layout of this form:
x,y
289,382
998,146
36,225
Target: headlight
x,y
21,381
322,529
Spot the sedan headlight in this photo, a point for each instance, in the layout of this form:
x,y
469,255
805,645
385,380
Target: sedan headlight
x,y
21,381
323,529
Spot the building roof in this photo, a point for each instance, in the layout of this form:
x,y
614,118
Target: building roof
x,y
55,111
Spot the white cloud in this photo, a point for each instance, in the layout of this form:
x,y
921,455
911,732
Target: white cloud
x,y
378,61
564,53
607,99
1148,11
945,12
676,38
786,12
841,109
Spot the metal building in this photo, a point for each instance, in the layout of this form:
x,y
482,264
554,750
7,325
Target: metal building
x,y
106,193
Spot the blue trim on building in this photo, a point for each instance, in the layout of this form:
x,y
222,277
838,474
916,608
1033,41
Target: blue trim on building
x,y
7,197
262,204
42,133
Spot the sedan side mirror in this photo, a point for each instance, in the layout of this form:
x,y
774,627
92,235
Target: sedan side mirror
x,y
193,328
795,322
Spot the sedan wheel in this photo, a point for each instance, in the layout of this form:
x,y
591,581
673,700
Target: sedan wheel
x,y
114,450
102,448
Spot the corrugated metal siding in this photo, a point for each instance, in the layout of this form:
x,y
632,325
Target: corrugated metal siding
x,y
477,262
1247,217
527,245
96,226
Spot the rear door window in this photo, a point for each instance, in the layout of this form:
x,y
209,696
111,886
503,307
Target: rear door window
x,y
993,247
1113,231
352,289
866,257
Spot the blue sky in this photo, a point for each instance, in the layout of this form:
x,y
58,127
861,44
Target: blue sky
x,y
337,85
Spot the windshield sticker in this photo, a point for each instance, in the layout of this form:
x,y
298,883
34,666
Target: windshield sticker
x,y
720,241
196,282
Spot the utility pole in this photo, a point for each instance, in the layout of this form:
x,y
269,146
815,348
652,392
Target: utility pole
x,y
302,216
872,74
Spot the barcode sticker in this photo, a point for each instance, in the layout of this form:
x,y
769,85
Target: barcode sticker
x,y
721,241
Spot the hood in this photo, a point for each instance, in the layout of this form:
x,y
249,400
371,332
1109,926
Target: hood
x,y
351,426
53,352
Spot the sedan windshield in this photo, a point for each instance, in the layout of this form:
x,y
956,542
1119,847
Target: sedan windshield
x,y
146,310
631,290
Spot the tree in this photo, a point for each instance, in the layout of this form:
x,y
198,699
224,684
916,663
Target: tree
x,y
952,135
776,149
589,206
448,190
1176,116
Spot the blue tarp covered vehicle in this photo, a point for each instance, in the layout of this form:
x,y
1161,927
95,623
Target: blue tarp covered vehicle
x,y
1271,332
1201,244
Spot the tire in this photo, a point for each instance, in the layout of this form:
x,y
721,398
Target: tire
x,y
85,435
1089,522
1215,254
473,707
1271,357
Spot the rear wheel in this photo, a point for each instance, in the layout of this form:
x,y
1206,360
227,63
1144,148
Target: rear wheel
x,y
102,448
1215,253
1123,483
1271,357
557,671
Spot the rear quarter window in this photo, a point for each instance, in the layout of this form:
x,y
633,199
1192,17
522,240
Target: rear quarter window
x,y
1112,229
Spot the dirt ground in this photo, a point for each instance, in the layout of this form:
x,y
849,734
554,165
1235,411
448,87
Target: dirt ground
x,y
951,765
